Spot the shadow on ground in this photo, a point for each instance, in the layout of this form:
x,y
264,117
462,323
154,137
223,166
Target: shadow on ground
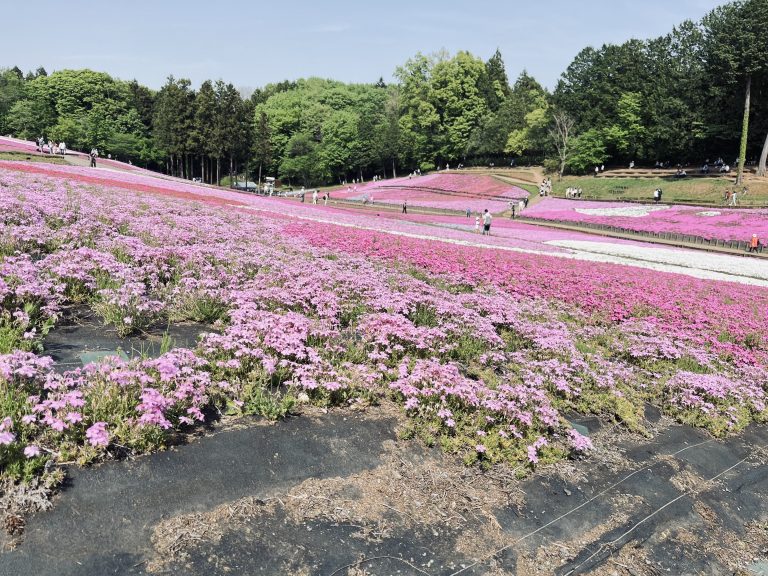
x,y
81,337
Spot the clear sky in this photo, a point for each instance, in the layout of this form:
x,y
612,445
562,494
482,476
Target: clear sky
x,y
253,43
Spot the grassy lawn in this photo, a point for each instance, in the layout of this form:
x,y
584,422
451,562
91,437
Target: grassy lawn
x,y
27,157
689,191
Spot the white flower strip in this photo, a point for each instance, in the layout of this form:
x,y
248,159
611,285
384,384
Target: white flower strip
x,y
627,211
700,264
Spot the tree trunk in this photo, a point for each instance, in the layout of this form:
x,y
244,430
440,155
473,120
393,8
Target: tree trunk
x,y
218,171
394,172
258,183
763,158
744,133
202,168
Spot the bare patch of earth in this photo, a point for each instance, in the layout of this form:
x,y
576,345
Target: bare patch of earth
x,y
335,493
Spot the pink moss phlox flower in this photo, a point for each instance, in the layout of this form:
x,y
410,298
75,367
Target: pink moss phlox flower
x,y
97,434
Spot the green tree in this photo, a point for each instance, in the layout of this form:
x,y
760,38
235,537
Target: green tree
x,y
494,85
587,150
262,145
11,91
173,123
736,48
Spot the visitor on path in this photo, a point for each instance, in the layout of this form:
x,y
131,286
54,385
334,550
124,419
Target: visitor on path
x,y
734,198
94,154
325,199
62,148
656,195
302,196
477,224
314,197
469,212
512,208
526,201
754,243
727,196
405,206
597,171
486,223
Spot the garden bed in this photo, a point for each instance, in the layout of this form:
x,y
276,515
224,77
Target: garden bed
x,y
728,225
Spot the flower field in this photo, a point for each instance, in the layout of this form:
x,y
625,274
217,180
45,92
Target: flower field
x,y
487,351
442,191
23,146
709,223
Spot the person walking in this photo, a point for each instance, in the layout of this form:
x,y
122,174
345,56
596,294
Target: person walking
x,y
325,199
405,206
477,224
734,198
512,212
754,243
94,154
486,223
469,212
314,197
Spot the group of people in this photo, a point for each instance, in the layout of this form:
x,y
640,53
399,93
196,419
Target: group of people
x,y
545,188
486,221
573,192
657,195
514,207
50,147
326,197
599,169
416,172
732,197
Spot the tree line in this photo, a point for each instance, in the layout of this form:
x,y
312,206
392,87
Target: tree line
x,y
697,92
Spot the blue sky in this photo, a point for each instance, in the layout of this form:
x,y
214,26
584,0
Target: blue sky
x,y
254,43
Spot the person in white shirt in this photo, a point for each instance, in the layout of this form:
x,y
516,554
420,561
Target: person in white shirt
x,y
486,223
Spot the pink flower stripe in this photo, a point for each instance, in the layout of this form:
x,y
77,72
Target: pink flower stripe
x,y
447,191
707,222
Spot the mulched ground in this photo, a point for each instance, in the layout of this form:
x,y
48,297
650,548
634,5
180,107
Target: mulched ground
x,y
337,494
